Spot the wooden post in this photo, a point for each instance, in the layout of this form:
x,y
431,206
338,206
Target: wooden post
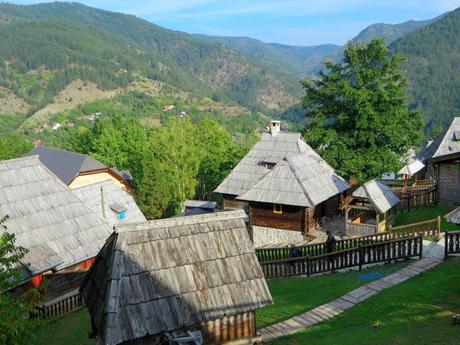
x,y
421,245
446,243
346,218
438,225
377,220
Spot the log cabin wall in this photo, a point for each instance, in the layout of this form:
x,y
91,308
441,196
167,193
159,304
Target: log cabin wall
x,y
291,218
231,202
448,181
331,206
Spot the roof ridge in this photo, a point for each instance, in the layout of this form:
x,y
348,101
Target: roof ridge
x,y
179,221
299,181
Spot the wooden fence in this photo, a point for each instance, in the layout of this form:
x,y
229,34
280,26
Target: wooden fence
x,y
415,197
429,228
358,256
316,249
61,306
452,243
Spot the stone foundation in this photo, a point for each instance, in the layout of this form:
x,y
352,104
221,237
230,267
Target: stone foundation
x,y
264,236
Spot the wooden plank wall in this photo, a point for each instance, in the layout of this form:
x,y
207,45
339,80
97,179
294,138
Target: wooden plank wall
x,y
231,202
292,217
449,181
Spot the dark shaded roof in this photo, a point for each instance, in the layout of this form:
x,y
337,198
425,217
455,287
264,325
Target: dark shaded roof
x,y
204,204
65,164
445,144
56,227
169,274
125,174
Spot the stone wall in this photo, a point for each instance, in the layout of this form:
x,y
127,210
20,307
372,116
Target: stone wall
x,y
263,236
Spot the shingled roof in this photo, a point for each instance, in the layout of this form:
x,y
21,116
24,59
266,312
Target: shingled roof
x,y
57,228
65,164
113,195
447,143
378,194
170,274
299,176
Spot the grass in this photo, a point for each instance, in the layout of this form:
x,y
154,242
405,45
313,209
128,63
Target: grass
x,y
416,312
428,213
292,296
70,330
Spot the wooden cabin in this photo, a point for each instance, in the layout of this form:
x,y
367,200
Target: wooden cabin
x,y
76,169
194,277
443,159
61,233
285,186
366,210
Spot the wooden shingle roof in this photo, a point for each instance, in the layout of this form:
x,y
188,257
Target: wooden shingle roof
x,y
169,274
447,143
113,196
299,177
56,227
378,194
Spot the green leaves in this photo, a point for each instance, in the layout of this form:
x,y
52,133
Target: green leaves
x,y
13,145
358,113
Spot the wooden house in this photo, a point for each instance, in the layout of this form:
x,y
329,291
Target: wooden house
x,y
110,202
61,233
285,186
76,169
186,277
443,159
366,210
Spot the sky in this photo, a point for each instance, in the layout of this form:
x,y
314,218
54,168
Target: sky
x,y
294,22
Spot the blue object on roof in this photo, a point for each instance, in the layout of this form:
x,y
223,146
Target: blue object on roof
x,y
371,276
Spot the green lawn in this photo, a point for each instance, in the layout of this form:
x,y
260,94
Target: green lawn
x,y
292,296
417,312
71,330
427,213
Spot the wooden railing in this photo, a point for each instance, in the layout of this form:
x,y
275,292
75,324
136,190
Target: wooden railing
x,y
415,197
452,243
61,306
315,249
365,254
429,228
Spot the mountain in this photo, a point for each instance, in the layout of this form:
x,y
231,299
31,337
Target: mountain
x,y
433,69
388,32
296,60
44,47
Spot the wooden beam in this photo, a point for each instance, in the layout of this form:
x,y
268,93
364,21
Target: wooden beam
x,y
359,207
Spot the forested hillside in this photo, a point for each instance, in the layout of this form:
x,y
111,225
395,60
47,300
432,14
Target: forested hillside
x,y
45,46
300,61
433,69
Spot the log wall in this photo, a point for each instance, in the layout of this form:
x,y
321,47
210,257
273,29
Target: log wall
x,y
449,181
292,218
231,202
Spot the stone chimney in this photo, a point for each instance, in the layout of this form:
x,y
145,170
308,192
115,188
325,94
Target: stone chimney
x,y
275,127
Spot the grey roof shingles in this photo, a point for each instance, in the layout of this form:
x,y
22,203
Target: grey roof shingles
x,y
56,227
171,274
444,144
378,194
91,195
300,177
65,164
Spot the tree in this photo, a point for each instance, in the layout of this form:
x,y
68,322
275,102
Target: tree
x,y
221,154
358,113
13,145
17,321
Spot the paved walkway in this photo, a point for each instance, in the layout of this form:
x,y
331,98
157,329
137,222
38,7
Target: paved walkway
x,y
433,255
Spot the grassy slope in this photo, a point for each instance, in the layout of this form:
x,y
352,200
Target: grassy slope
x,y
417,312
427,213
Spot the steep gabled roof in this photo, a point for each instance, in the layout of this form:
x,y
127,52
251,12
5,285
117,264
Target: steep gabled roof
x,y
447,143
168,274
56,227
300,180
113,195
65,164
253,176
378,194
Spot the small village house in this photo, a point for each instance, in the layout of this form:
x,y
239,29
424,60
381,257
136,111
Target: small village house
x,y
61,233
110,202
76,169
366,209
193,277
285,186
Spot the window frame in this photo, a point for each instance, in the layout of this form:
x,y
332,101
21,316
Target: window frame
x,y
277,208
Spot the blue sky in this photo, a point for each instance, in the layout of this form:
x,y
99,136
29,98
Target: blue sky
x,y
296,22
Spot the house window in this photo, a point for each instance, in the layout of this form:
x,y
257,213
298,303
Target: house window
x,y
277,209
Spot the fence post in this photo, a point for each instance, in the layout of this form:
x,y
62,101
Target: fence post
x,y
446,243
361,257
438,226
308,266
421,245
